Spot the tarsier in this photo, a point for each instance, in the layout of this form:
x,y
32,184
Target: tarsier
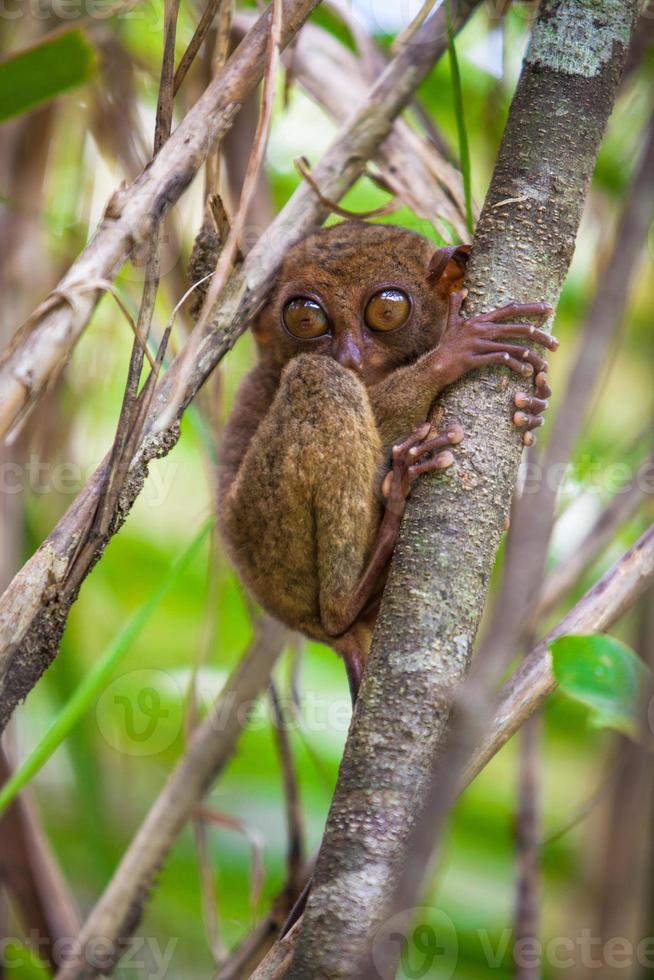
x,y
358,337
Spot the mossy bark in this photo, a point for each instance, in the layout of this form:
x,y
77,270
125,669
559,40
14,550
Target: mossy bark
x,y
451,532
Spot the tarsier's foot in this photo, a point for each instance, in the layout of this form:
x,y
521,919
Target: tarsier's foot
x,y
485,338
408,462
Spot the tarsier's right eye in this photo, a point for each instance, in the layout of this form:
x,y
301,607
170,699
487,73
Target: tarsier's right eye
x,y
387,310
305,318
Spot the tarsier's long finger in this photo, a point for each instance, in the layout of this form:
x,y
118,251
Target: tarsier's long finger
x,y
504,360
528,439
455,302
516,351
440,462
524,420
452,437
401,448
515,309
531,404
529,330
543,389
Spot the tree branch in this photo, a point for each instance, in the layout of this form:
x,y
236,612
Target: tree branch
x,y
449,538
118,912
533,515
533,681
620,509
34,608
42,346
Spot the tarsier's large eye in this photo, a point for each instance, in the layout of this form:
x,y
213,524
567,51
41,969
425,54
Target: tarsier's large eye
x,y
305,318
388,309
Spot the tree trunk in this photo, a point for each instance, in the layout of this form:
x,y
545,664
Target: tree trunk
x,y
445,555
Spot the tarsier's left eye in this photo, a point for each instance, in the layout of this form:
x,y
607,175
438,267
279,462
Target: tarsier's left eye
x,y
305,318
388,309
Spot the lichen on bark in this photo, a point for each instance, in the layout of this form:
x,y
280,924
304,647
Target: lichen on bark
x,y
452,528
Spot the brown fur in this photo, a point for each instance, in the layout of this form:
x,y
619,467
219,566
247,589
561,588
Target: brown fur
x,y
309,437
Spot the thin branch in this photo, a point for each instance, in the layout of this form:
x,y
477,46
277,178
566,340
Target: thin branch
x,y
303,167
387,812
294,821
196,42
119,909
128,430
31,875
533,514
533,681
413,169
208,814
228,253
34,608
528,836
243,960
624,505
38,352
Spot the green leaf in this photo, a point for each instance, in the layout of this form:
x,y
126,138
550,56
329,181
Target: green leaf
x,y
39,73
606,676
97,678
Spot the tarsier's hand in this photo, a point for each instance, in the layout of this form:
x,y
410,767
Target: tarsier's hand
x,y
476,341
531,408
408,461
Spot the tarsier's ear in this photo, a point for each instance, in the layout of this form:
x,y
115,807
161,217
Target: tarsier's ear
x,y
447,268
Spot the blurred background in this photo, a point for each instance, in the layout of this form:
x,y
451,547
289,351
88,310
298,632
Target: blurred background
x,y
59,163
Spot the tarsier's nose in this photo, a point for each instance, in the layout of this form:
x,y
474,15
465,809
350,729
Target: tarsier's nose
x,y
348,353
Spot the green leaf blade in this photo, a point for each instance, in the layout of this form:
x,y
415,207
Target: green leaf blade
x,y
97,678
39,73
606,676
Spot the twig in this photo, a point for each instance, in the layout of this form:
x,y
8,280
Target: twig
x,y
244,959
624,505
208,891
447,545
216,56
294,821
208,814
38,352
34,608
31,875
527,911
128,430
196,42
533,514
228,253
303,167
533,681
119,909
414,170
